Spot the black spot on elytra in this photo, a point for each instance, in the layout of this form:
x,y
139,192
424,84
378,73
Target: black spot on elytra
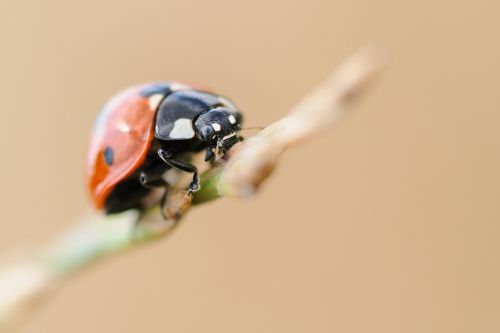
x,y
109,155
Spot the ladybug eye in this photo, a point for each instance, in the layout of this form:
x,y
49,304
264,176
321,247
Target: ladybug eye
x,y
108,156
207,132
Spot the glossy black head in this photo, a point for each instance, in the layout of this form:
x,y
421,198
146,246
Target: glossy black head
x,y
218,128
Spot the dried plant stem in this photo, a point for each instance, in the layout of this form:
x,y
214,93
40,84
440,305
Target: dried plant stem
x,y
249,164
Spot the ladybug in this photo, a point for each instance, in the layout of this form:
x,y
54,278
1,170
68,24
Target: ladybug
x,y
147,130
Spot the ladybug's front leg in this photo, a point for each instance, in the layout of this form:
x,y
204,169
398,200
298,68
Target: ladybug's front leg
x,y
168,158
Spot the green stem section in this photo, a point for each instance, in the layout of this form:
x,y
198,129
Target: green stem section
x,y
210,181
90,239
98,235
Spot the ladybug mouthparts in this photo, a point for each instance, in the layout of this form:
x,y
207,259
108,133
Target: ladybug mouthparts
x,y
227,142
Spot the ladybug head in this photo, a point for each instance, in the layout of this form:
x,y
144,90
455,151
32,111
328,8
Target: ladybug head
x,y
218,128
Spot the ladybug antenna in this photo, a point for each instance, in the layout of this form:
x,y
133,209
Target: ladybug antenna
x,y
253,128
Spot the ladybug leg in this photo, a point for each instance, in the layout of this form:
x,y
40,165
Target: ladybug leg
x,y
181,165
153,177
163,203
209,154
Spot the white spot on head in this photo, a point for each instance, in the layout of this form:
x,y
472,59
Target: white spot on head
x,y
154,101
183,129
216,127
232,119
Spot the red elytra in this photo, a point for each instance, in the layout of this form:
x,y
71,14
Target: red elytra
x,y
126,125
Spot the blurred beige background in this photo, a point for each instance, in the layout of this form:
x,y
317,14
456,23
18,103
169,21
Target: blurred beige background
x,y
389,224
